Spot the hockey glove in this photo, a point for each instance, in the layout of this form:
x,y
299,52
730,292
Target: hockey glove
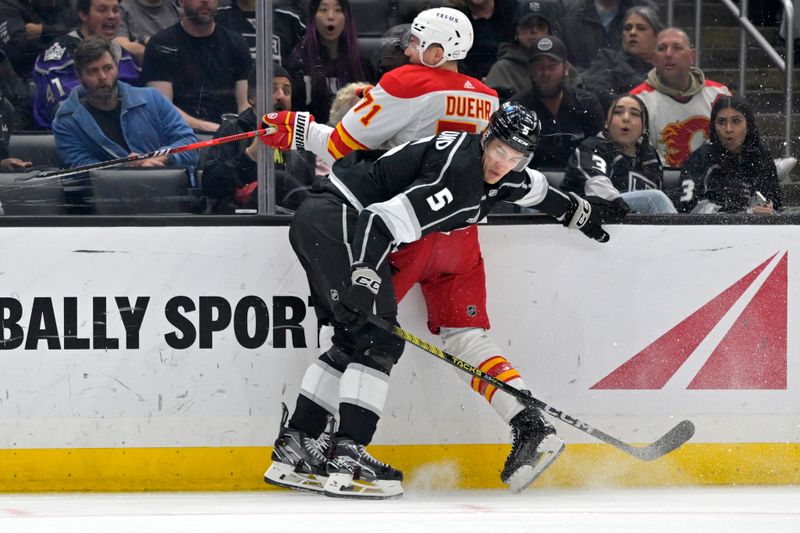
x,y
359,298
291,129
581,216
361,92
610,212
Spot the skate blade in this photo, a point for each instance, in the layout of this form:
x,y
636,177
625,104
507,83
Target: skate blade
x,y
549,450
283,475
344,486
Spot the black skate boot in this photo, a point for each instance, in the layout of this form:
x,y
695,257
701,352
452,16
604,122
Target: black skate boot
x,y
535,445
298,460
354,473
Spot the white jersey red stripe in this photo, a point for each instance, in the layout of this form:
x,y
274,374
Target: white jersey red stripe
x,y
678,127
409,103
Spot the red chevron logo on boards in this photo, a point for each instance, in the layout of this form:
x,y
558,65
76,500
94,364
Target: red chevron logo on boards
x,y
751,355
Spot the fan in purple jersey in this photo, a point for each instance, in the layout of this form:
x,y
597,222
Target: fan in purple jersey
x,y
54,72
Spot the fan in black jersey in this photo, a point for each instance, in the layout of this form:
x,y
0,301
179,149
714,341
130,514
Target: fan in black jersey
x,y
343,235
618,170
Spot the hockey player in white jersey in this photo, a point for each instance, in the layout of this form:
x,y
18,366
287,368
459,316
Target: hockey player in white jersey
x,y
413,101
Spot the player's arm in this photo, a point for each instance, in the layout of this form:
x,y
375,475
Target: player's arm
x,y
570,209
367,125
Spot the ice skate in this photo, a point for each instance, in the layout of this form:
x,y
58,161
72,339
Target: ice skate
x,y
535,445
354,473
298,460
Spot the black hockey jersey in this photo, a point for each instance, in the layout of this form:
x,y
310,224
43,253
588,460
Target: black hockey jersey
x,y
729,180
597,168
599,172
433,184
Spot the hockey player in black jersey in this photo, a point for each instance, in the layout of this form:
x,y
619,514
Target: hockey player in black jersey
x,y
342,236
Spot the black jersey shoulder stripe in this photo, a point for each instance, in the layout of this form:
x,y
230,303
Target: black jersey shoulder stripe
x,y
455,146
399,217
346,192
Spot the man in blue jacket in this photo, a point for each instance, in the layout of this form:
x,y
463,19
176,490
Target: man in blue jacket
x,y
106,119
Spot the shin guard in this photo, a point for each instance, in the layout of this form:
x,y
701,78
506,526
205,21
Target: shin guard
x,y
474,346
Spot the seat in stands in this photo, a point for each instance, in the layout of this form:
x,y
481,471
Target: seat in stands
x,y
23,194
140,191
36,147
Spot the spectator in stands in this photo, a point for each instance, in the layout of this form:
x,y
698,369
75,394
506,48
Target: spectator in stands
x,y
54,73
199,66
229,171
726,173
591,25
327,59
6,119
492,23
618,170
105,118
29,27
346,97
141,19
17,96
678,98
568,115
287,27
511,70
614,72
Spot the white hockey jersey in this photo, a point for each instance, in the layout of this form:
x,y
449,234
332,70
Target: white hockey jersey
x,y
679,126
409,102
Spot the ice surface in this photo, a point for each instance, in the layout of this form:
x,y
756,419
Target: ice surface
x,y
729,509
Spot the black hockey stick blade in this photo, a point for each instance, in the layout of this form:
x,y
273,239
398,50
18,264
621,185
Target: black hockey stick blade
x,y
670,441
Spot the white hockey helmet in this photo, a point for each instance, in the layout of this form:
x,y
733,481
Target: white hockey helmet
x,y
447,27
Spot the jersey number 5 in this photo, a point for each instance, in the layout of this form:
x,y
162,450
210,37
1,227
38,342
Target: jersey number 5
x,y
440,199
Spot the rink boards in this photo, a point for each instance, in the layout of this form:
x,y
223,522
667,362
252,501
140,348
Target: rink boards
x,y
156,358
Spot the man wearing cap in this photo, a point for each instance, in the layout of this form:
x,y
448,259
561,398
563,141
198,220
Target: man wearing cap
x,y
534,20
568,114
230,173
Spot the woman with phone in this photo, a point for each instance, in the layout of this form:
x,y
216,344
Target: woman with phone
x,y
733,172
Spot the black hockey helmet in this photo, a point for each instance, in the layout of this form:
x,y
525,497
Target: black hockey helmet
x,y
517,127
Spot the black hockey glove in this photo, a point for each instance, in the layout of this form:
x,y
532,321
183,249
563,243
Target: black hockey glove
x,y
581,216
359,298
610,212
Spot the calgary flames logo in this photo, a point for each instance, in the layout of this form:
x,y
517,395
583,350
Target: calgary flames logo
x,y
677,139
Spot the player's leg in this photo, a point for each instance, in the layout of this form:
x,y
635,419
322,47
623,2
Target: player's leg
x,y
300,452
409,263
363,387
457,311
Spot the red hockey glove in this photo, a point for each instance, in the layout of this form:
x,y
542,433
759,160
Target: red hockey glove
x,y
361,92
291,129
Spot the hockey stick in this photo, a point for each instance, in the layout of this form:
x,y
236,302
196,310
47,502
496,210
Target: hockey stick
x,y
156,153
673,439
